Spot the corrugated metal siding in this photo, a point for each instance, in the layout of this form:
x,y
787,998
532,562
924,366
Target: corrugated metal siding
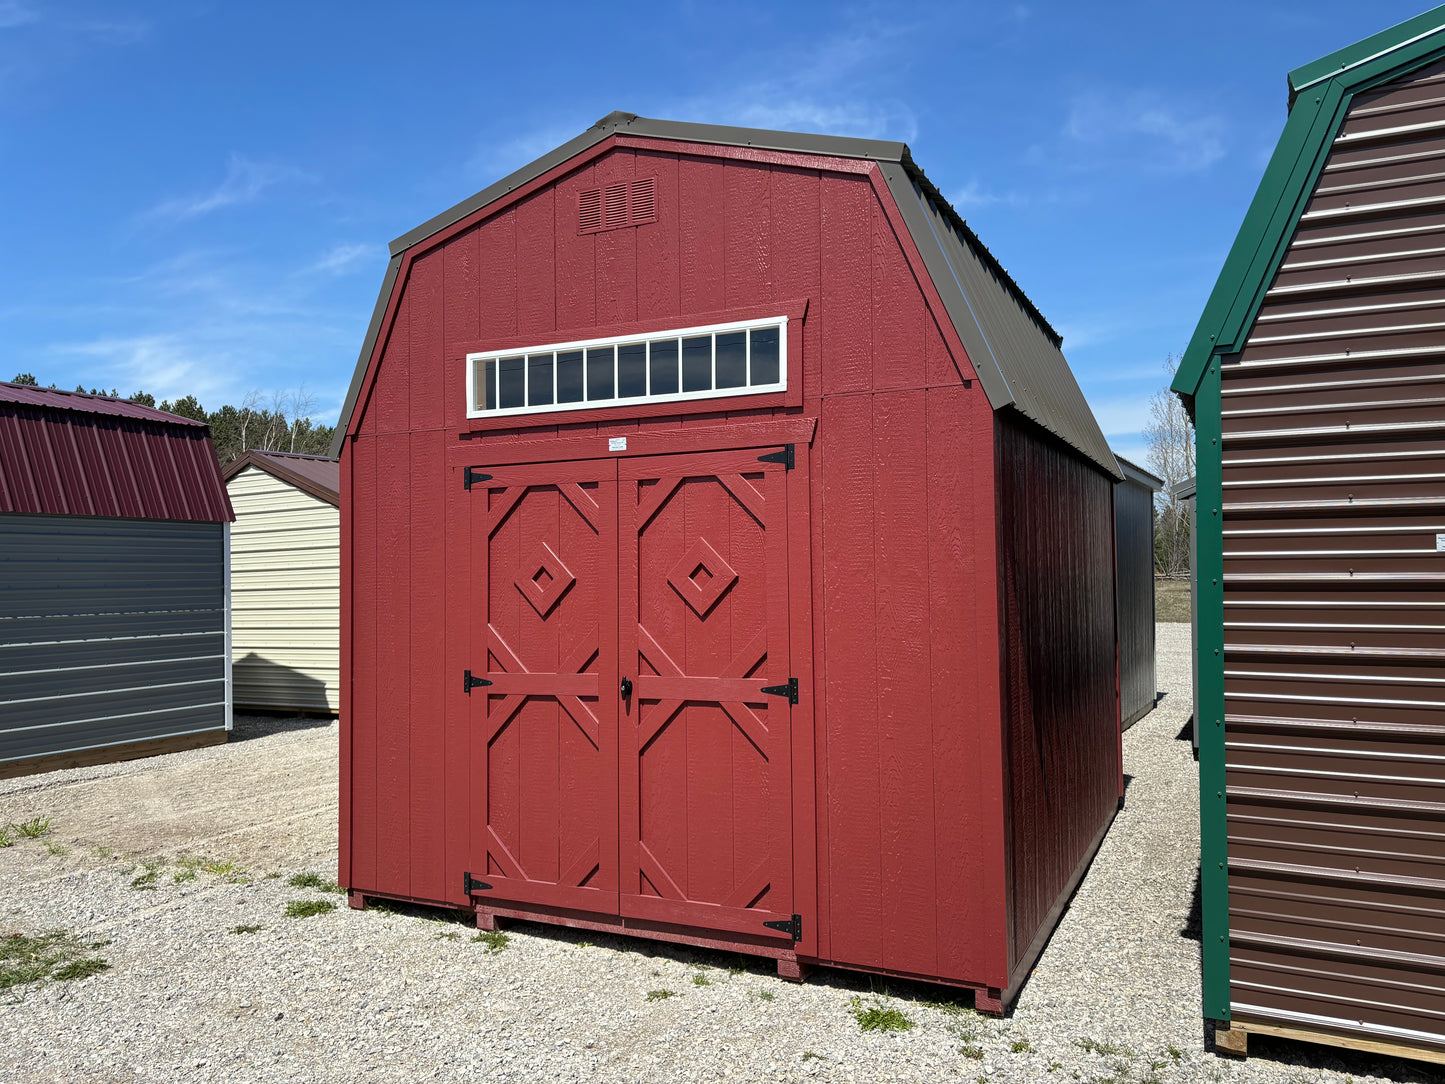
x,y
1334,595
1056,571
1134,562
285,595
71,462
111,631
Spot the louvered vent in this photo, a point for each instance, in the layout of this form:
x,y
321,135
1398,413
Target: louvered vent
x,y
627,203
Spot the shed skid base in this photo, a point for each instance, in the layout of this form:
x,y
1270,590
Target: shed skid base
x,y
356,900
1233,1038
790,966
112,754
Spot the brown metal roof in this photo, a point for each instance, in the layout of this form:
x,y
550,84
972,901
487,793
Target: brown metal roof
x,y
1014,350
1135,473
317,475
53,398
67,453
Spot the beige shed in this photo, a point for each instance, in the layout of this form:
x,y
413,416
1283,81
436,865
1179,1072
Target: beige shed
x,y
285,580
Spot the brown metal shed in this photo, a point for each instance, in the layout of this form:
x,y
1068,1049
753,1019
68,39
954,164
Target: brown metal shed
x,y
1314,379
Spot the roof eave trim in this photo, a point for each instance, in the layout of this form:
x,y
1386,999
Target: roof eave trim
x,y
1363,52
363,362
258,459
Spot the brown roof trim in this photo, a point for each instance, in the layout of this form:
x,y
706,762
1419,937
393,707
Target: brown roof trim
x,y
273,464
1135,473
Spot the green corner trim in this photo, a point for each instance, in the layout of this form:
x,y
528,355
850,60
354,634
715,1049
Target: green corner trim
x,y
1209,595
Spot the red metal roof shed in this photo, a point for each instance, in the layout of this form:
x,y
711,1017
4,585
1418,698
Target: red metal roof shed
x,y
727,558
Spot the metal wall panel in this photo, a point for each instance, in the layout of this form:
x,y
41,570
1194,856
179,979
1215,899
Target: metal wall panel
x,y
1134,566
111,631
1333,435
286,594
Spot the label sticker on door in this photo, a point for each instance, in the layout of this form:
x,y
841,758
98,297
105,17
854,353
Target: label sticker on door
x,y
619,444
1440,543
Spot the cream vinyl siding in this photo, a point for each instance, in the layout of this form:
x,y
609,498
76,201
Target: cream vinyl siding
x,y
285,595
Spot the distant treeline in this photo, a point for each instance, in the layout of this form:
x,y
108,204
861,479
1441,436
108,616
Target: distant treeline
x,y
279,424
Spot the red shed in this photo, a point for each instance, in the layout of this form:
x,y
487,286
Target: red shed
x,y
727,558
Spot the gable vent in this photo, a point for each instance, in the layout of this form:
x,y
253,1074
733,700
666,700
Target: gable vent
x,y
627,203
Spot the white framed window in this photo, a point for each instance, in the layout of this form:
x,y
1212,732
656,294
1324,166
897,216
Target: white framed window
x,y
747,357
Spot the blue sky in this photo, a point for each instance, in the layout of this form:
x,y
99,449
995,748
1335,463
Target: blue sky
x,y
198,196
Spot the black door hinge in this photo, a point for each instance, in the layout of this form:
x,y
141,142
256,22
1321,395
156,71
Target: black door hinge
x,y
792,926
785,457
470,884
469,683
790,690
471,474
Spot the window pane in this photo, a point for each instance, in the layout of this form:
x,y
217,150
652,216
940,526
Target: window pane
x,y
765,355
513,392
732,359
539,380
664,367
489,381
631,370
697,364
600,384
569,376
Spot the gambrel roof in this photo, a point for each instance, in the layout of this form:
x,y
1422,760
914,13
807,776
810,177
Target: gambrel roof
x,y
1013,349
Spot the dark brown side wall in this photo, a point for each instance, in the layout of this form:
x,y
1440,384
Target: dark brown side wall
x,y
1056,588
1134,563
1334,596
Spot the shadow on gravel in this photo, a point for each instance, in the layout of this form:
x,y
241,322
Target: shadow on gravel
x,y
1194,924
1186,732
255,725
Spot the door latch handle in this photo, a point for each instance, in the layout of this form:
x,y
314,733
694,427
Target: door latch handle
x,y
626,688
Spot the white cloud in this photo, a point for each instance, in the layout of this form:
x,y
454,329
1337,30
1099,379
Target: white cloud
x,y
13,14
162,365
245,180
1143,128
342,258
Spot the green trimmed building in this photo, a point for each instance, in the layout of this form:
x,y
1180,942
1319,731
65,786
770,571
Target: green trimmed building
x,y
1316,379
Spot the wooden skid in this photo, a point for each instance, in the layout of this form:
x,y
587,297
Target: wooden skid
x,y
111,754
1233,1038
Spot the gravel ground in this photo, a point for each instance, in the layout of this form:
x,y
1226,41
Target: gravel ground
x,y
406,994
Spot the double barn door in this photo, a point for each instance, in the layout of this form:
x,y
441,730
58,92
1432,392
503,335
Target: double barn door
x,y
632,753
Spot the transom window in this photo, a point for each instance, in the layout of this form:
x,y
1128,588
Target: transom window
x,y
743,358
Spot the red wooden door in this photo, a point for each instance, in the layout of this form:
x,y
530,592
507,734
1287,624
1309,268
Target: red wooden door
x,y
706,818
544,732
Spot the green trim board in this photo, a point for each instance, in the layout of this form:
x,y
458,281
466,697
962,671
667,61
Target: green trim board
x,y
1320,97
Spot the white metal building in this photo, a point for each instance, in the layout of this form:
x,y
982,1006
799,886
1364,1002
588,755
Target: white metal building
x,y
285,581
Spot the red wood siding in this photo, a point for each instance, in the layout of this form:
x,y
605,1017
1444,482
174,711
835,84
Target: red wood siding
x,y
1056,590
898,499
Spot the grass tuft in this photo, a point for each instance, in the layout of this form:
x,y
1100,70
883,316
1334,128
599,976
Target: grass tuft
x,y
245,929
1104,1050
875,1017
312,880
1020,1046
58,955
972,1051
146,882
308,908
5,840
699,979
659,995
494,940
57,850
34,828
766,995
809,1055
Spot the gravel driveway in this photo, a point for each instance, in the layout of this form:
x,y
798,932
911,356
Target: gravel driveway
x,y
175,871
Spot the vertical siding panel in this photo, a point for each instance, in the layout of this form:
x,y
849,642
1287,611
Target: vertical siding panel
x,y
900,542
897,311
428,683
393,628
747,278
855,913
497,277
346,648
795,256
460,318
616,251
703,198
540,522
461,603
576,256
537,266
391,396
428,302
659,276
847,341
362,673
